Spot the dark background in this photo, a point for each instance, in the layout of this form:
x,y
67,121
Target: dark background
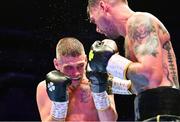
x,y
29,31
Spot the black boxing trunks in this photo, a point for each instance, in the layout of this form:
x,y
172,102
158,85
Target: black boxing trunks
x,y
158,104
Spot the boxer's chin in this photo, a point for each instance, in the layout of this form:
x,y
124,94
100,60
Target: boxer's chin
x,y
76,81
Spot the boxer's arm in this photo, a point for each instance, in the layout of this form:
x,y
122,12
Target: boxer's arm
x,y
147,49
109,114
104,103
44,103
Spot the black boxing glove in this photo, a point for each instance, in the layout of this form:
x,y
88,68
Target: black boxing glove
x,y
56,87
99,85
57,83
104,57
100,53
99,80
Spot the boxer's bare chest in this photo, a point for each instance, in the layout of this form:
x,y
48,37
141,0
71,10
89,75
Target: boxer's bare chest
x,y
81,105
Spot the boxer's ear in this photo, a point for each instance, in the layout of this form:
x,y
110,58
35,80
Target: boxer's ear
x,y
56,64
104,6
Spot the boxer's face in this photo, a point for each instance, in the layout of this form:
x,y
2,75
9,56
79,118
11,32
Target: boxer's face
x,y
74,67
103,21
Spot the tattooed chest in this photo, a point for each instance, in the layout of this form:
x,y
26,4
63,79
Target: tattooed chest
x,y
81,102
82,96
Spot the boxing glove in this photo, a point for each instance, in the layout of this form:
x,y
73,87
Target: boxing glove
x,y
104,57
117,66
56,87
100,53
56,83
98,80
101,82
99,87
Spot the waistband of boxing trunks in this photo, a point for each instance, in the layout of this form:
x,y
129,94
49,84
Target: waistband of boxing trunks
x,y
157,101
163,118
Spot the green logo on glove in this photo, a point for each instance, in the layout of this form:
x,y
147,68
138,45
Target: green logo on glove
x,y
91,55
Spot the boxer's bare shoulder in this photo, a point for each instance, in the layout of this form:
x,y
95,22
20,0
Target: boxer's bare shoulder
x,y
43,103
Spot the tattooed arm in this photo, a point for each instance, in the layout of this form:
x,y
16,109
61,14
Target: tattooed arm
x,y
147,72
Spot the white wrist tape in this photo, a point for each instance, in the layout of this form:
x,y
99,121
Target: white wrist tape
x,y
121,86
59,110
101,100
117,66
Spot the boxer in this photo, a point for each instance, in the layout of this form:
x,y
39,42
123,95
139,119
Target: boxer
x,y
66,93
149,62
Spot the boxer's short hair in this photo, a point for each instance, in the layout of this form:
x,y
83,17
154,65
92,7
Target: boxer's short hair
x,y
69,46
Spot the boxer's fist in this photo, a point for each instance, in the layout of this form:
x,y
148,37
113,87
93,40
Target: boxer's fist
x,y
99,80
100,53
56,86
